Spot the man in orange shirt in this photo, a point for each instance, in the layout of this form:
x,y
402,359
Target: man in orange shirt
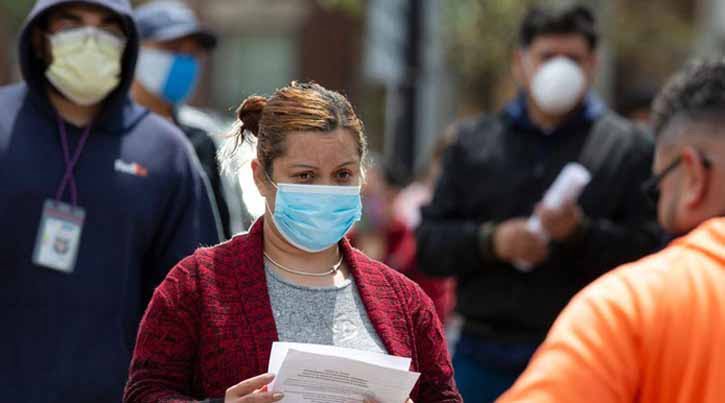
x,y
654,330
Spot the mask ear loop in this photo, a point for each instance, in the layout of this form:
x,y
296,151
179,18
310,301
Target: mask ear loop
x,y
269,179
266,203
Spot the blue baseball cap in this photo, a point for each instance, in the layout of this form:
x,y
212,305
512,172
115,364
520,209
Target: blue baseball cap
x,y
166,20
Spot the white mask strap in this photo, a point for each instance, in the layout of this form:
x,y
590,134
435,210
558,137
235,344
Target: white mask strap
x,y
266,175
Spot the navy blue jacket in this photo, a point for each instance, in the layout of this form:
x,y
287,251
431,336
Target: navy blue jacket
x,y
68,337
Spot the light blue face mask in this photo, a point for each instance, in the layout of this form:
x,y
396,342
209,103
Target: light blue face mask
x,y
171,76
315,217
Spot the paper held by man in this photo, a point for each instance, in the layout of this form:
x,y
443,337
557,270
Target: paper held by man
x,y
314,373
567,187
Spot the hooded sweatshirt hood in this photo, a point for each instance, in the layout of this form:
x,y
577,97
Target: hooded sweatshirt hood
x,y
33,69
146,206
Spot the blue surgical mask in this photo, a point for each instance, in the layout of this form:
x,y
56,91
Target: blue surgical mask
x,y
170,76
315,217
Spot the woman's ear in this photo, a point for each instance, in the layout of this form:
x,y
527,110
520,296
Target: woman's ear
x,y
260,178
696,184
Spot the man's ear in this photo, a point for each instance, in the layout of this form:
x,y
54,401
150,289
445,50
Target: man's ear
x,y
517,66
591,66
260,178
41,46
695,188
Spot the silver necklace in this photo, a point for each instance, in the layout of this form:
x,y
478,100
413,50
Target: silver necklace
x,y
332,270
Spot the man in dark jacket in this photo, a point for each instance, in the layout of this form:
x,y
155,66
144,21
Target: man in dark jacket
x,y
173,45
99,199
514,280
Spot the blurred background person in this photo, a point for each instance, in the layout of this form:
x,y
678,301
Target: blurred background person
x,y
653,331
99,199
384,235
493,179
419,193
174,46
636,105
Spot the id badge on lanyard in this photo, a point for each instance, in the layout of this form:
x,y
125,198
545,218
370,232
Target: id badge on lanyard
x,y
61,224
59,236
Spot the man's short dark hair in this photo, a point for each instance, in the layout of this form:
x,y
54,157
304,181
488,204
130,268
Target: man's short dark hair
x,y
697,93
570,19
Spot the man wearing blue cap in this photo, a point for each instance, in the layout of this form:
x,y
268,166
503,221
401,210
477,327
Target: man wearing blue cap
x,y
173,44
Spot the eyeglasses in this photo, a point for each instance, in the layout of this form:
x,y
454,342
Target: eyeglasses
x,y
651,187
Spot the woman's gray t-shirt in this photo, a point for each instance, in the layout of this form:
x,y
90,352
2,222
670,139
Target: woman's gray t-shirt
x,y
321,315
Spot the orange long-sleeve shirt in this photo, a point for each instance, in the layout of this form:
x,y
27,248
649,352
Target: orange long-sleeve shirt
x,y
651,331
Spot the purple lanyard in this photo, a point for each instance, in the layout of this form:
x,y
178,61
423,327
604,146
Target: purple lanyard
x,y
70,163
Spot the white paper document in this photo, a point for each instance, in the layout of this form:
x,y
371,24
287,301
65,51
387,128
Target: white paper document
x,y
327,374
567,187
280,348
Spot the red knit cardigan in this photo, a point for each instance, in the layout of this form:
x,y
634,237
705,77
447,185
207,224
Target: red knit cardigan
x,y
209,325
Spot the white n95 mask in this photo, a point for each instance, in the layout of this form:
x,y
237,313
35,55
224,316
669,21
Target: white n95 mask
x,y
557,85
86,64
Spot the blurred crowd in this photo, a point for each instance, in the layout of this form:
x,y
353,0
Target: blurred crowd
x,y
541,291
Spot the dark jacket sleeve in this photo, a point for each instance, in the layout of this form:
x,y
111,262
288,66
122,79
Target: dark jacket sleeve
x,y
436,383
207,153
190,221
162,369
450,243
453,244
632,231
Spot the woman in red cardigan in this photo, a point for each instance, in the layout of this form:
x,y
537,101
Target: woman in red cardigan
x,y
209,328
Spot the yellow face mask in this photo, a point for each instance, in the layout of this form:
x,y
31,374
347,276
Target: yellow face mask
x,y
86,64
